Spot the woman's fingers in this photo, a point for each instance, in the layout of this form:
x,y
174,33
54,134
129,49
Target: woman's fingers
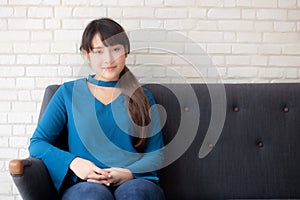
x,y
103,182
100,176
96,176
102,172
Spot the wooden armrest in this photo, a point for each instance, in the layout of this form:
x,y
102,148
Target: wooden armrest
x,y
16,166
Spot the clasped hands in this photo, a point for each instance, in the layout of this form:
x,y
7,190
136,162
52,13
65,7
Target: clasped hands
x,y
87,170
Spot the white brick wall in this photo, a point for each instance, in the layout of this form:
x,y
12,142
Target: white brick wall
x,y
247,40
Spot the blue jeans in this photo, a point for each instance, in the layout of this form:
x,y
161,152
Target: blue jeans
x,y
135,189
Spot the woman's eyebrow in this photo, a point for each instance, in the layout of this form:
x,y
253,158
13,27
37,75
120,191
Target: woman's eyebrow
x,y
98,47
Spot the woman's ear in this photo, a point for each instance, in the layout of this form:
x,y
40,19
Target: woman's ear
x,y
86,56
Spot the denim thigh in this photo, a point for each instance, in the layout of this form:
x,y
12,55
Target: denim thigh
x,y
139,189
87,191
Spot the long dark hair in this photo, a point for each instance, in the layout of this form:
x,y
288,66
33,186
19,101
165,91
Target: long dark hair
x,y
112,33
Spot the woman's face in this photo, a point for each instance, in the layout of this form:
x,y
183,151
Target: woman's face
x,y
107,62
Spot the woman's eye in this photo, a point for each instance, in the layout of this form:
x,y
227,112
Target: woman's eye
x,y
117,49
98,52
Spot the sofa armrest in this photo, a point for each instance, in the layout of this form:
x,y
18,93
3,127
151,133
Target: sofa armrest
x,y
16,167
32,179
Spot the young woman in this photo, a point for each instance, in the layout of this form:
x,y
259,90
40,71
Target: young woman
x,y
115,143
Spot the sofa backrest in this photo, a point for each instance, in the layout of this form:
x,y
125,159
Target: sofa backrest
x,y
257,154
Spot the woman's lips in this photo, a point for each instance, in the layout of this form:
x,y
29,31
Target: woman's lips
x,y
109,68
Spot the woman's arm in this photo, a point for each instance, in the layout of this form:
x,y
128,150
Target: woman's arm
x,y
48,129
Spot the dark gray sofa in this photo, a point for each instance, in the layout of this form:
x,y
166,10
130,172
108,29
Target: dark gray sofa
x,y
257,154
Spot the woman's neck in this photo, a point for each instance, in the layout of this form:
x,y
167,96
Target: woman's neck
x,y
92,80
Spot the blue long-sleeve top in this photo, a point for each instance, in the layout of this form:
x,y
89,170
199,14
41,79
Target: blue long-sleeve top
x,y
97,132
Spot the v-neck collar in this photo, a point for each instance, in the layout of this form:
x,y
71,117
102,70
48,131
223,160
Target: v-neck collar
x,y
97,100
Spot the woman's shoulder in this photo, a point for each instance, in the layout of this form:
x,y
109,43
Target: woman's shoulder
x,y
147,91
67,87
71,83
149,95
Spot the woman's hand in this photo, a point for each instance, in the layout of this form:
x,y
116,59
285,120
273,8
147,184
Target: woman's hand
x,y
118,175
86,170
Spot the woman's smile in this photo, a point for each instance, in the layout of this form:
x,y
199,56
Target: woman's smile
x,y
109,68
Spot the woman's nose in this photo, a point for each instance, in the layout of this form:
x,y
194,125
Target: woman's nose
x,y
108,58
